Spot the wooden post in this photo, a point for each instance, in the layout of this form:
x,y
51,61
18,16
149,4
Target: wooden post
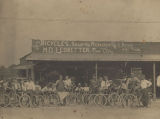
x,y
40,76
87,73
27,73
32,73
96,70
154,80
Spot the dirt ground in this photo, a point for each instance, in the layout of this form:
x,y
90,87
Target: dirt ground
x,y
82,112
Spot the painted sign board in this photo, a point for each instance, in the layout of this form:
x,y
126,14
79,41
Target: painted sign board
x,y
85,47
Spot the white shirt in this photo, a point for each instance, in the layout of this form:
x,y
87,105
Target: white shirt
x,y
5,85
45,89
86,89
103,84
30,85
37,87
23,86
78,89
158,81
124,86
68,82
145,84
16,85
108,83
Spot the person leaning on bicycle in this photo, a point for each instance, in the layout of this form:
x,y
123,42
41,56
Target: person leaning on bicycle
x,y
104,84
16,85
138,85
133,83
68,83
1,86
145,85
30,86
1,83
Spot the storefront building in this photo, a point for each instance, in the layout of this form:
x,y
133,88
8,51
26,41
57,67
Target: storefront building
x,y
82,59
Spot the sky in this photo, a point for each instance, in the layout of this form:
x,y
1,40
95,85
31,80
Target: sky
x,y
105,20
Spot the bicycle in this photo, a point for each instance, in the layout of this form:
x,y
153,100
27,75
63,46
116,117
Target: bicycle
x,y
71,99
25,99
13,97
4,100
79,97
129,98
37,99
91,99
145,97
54,98
101,99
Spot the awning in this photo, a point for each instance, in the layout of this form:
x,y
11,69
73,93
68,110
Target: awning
x,y
24,66
93,57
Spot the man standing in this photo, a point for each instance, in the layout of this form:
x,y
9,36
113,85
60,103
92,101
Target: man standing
x,y
60,87
94,84
133,83
16,84
102,84
145,84
37,86
1,83
67,83
31,85
158,85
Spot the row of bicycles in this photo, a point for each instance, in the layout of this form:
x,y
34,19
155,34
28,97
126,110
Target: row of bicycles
x,y
112,99
12,98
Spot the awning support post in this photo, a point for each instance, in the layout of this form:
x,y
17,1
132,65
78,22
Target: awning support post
x,y
27,73
96,70
40,75
32,73
154,80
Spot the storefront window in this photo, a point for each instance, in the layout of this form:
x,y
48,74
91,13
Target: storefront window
x,y
22,73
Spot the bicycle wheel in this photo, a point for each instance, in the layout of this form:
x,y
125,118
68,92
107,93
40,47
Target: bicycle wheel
x,y
67,100
54,99
7,101
145,100
91,99
85,98
150,98
131,100
114,99
4,101
100,100
149,101
122,99
34,101
79,98
46,100
25,100
15,100
73,99
41,101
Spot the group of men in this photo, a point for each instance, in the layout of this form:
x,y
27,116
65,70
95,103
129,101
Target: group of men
x,y
24,84
66,84
99,84
19,84
63,84
133,82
